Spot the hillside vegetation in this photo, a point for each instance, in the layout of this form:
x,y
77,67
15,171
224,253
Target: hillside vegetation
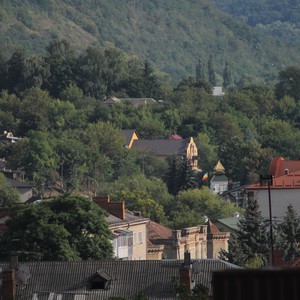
x,y
172,35
280,18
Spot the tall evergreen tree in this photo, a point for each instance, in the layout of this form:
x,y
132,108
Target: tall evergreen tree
x,y
251,238
151,84
211,71
185,176
289,234
170,176
227,76
201,75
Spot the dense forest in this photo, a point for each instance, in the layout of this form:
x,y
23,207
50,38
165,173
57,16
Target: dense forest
x,y
171,35
276,17
55,103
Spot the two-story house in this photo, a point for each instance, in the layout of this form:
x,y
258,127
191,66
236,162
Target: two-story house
x,y
129,230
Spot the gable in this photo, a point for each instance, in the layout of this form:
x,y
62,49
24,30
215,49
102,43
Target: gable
x,y
130,135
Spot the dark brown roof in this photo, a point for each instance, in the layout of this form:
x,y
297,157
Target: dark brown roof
x,y
128,133
157,231
154,277
162,147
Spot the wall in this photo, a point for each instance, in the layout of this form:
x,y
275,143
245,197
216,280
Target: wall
x,y
280,199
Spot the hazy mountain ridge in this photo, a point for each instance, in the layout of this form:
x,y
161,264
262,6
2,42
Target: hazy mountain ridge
x,y
170,34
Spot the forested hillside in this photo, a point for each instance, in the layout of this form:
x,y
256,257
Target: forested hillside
x,y
277,17
172,35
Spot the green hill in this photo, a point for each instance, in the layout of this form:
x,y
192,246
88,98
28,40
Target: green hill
x,y
172,35
280,18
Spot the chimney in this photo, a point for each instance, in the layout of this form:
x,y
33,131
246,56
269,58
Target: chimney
x,y
8,284
185,272
277,258
116,209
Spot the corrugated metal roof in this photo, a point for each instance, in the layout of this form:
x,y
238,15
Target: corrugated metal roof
x,y
154,278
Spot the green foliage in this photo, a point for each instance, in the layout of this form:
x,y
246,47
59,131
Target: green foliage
x,y
64,228
288,233
192,205
148,196
250,246
143,28
199,292
8,195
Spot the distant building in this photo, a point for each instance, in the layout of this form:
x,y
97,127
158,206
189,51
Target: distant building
x,y
217,91
129,230
136,102
282,188
219,182
163,148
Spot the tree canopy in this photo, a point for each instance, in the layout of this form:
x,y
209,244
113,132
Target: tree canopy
x,y
64,228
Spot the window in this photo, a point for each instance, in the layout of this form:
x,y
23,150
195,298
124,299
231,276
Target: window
x,y
134,238
140,237
100,281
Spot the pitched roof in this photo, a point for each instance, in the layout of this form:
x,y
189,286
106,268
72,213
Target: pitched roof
x,y
158,231
219,169
230,222
136,102
154,277
212,228
289,181
174,137
128,133
279,166
162,147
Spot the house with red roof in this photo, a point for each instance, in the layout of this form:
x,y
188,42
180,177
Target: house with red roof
x,y
281,190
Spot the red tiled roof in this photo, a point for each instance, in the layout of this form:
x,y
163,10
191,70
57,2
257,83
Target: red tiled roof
x,y
279,166
212,228
157,231
174,137
289,181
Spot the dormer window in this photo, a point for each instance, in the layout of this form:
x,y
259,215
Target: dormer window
x,y
100,281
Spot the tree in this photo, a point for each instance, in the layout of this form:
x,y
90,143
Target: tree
x,y
289,234
151,85
227,76
211,71
8,195
192,205
62,65
251,243
34,110
201,75
185,176
148,196
289,82
65,228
